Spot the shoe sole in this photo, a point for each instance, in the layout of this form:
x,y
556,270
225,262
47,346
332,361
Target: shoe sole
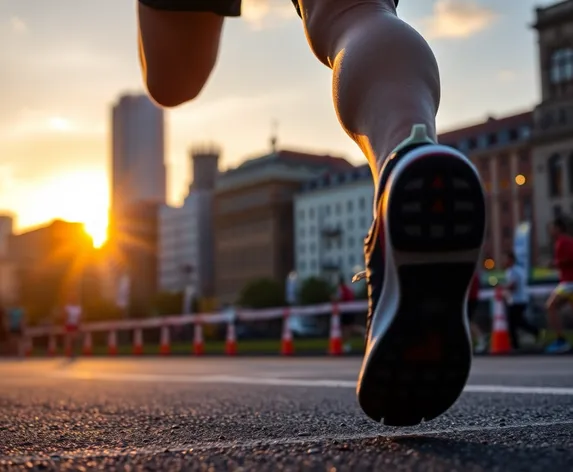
x,y
419,352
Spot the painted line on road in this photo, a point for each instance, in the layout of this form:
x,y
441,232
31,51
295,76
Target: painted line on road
x,y
258,443
282,382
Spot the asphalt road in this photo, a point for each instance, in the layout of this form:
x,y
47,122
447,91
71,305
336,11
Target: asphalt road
x,y
272,414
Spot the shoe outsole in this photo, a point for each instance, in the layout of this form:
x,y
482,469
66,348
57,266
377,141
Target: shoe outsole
x,y
419,356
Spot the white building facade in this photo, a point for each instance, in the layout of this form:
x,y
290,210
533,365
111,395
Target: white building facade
x,y
332,216
186,239
179,245
138,152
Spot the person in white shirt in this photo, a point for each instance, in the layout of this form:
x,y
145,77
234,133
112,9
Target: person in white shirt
x,y
517,300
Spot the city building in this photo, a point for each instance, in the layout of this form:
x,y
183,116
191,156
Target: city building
x,y
500,148
186,241
254,217
133,250
52,264
333,214
552,138
8,282
137,162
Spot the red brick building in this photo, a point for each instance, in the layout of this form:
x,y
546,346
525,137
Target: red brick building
x,y
501,150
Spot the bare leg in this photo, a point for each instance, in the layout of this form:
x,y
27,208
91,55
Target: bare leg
x,y
178,51
385,77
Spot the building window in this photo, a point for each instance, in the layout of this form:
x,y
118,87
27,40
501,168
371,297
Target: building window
x,y
472,144
362,203
350,206
554,175
525,131
363,222
351,260
491,139
562,66
327,210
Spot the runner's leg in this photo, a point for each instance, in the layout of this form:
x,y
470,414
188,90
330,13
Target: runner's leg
x,y
385,76
178,51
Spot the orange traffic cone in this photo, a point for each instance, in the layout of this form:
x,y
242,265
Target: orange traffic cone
x,y
164,347
499,343
52,347
335,345
112,343
231,342
198,344
87,351
287,347
138,342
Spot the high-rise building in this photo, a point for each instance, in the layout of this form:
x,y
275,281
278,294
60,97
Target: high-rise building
x,y
138,167
186,247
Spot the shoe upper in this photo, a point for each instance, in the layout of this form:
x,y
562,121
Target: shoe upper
x,y
374,242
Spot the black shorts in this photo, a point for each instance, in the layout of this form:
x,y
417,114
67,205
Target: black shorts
x,y
219,7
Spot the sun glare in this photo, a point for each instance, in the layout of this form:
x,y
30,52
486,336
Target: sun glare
x,y
59,124
80,196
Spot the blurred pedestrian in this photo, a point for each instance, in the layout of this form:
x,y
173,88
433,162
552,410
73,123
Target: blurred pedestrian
x,y
478,335
563,293
517,299
348,323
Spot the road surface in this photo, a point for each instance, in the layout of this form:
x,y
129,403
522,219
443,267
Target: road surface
x,y
273,414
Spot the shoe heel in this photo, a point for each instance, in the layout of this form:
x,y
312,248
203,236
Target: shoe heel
x,y
437,204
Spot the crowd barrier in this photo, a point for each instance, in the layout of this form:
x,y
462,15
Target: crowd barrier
x,y
198,321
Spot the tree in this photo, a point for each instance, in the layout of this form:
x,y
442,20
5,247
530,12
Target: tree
x,y
315,290
262,293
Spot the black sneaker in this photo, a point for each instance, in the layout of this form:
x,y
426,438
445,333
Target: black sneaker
x,y
421,254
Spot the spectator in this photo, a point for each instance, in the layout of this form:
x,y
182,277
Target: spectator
x,y
473,299
347,320
517,300
563,293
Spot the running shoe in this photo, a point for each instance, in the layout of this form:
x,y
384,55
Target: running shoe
x,y
420,254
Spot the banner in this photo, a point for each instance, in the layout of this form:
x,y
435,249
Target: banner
x,y
522,247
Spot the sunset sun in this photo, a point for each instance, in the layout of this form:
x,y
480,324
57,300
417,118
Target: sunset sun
x,y
80,196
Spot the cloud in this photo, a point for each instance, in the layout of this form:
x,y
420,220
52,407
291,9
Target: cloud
x,y
18,25
457,19
264,14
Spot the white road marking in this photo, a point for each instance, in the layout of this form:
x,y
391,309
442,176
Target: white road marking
x,y
283,382
251,444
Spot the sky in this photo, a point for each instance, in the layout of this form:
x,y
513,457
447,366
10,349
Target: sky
x,y
63,64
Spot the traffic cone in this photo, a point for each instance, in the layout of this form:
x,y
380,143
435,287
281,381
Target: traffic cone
x,y
500,342
231,342
87,351
335,344
287,346
138,342
52,346
198,345
112,343
164,347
